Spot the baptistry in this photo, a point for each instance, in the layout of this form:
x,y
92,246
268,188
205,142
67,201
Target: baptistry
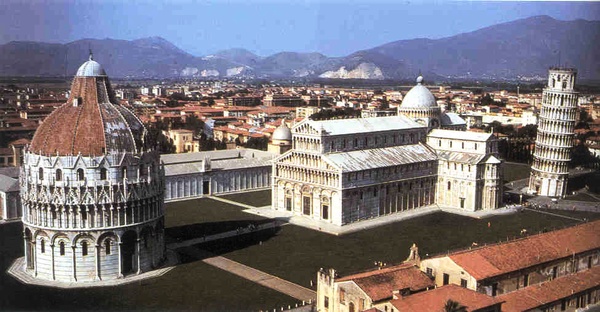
x,y
556,126
92,189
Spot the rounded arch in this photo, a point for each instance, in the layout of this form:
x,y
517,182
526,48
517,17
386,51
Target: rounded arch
x,y
60,237
83,237
40,233
306,189
128,241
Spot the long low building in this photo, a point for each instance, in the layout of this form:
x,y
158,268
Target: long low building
x,y
192,175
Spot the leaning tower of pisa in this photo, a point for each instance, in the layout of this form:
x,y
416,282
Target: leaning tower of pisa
x,y
549,171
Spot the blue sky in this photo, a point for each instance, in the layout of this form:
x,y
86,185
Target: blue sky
x,y
331,27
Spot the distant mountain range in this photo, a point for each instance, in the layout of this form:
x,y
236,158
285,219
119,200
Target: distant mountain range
x,y
521,48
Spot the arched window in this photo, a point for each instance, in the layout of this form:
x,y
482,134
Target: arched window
x,y
42,245
103,173
61,245
41,174
142,170
84,248
449,185
107,246
80,175
58,175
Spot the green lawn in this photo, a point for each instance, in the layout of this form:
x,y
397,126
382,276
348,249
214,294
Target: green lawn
x,y
198,217
290,252
190,286
256,199
296,253
516,171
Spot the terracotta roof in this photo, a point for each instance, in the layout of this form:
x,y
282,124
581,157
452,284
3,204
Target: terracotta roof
x,y
92,127
503,258
435,300
539,294
380,284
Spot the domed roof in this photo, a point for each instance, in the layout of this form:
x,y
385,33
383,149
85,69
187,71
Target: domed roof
x,y
90,68
419,97
89,123
282,133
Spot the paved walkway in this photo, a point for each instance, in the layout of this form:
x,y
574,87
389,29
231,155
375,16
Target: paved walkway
x,y
221,199
17,270
251,274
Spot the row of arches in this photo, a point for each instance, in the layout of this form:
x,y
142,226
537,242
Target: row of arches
x,y
92,216
93,256
558,113
554,139
553,153
550,165
79,174
556,126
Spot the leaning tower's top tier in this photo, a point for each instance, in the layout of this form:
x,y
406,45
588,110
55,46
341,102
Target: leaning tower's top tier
x,y
561,79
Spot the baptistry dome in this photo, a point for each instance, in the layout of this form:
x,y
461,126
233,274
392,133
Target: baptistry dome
x,y
419,97
89,123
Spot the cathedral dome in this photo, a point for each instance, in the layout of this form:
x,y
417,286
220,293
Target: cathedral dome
x,y
419,97
282,133
89,123
90,68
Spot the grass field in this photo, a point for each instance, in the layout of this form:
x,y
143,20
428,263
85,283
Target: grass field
x,y
290,252
256,199
190,286
296,253
516,171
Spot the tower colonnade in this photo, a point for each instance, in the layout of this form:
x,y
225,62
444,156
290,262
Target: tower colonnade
x,y
556,131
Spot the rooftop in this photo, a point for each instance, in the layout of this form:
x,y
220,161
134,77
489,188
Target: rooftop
x,y
380,284
494,260
435,300
531,297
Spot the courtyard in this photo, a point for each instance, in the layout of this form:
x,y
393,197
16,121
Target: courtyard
x,y
290,252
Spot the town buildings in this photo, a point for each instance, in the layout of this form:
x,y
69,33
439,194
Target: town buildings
x,y
553,271
92,189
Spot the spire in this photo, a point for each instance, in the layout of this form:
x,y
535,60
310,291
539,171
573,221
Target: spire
x,y
91,55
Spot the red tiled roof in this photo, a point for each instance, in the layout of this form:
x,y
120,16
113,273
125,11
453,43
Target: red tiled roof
x,y
435,300
536,295
499,259
380,284
73,129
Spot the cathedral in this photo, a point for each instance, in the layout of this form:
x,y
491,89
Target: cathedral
x,y
346,170
92,189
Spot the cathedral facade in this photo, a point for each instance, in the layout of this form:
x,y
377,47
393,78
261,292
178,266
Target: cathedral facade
x,y
91,189
344,171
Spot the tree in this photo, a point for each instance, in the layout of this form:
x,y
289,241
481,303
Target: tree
x,y
453,306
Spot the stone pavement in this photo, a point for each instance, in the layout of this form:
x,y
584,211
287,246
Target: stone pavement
x,y
251,274
18,272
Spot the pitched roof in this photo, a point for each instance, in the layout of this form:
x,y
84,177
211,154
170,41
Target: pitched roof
x,y
380,157
537,295
380,284
460,135
365,125
435,300
503,258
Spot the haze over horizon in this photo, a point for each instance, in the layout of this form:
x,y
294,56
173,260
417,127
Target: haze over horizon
x,y
333,28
